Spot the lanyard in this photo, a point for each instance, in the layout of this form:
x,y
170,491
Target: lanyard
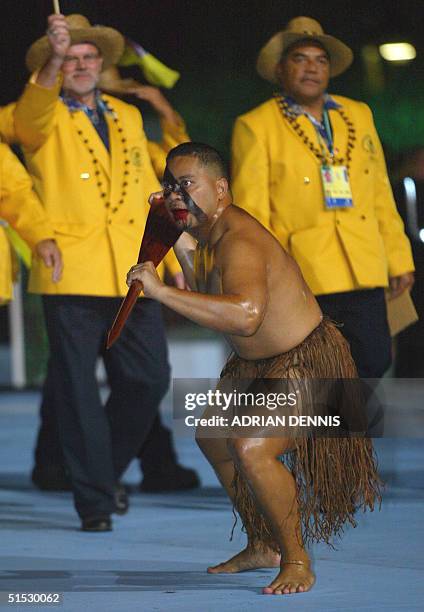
x,y
329,131
329,135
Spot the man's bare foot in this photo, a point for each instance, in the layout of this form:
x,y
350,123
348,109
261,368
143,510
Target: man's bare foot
x,y
248,559
293,578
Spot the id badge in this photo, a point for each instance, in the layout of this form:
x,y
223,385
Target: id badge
x,y
337,192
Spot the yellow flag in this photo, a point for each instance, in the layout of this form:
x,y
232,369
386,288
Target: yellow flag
x,y
154,71
19,246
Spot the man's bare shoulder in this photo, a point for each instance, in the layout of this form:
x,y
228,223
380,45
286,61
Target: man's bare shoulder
x,y
244,223
242,231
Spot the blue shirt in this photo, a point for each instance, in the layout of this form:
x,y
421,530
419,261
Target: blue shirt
x,y
295,110
96,115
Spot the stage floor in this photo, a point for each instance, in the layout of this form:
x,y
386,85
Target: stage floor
x,y
155,558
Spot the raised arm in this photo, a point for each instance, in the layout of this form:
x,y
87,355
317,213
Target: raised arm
x,y
35,109
60,40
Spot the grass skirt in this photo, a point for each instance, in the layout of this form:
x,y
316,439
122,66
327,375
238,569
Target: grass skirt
x,y
335,476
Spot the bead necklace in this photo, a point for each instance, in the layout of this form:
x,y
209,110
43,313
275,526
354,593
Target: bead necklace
x,y
95,161
319,154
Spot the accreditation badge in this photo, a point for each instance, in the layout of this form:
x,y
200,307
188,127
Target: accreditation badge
x,y
335,182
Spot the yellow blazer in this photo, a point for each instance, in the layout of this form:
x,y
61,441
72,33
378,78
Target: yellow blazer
x,y
7,127
21,209
276,178
98,212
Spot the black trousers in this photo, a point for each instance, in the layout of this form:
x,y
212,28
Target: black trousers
x,y
156,453
364,318
98,441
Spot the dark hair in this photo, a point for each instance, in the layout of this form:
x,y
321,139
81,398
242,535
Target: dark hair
x,y
207,156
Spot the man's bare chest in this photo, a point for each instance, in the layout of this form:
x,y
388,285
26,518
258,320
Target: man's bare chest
x,y
207,273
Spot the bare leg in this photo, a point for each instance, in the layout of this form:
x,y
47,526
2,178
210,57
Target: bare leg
x,y
252,557
274,490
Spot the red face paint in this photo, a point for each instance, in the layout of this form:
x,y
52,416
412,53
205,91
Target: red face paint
x,y
180,214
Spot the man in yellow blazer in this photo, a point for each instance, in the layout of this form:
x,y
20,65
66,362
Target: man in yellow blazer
x,y
88,159
21,210
348,240
158,459
159,462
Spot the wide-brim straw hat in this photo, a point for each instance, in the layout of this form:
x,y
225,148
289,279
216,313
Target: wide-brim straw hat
x,y
302,28
109,42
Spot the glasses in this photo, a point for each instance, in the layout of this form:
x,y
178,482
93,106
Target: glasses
x,y
88,58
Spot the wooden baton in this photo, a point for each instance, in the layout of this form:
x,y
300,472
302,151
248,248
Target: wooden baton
x,y
160,235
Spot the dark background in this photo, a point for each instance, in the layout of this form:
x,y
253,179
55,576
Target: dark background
x,y
214,45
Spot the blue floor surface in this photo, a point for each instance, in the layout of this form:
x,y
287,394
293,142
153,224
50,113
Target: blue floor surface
x,y
155,558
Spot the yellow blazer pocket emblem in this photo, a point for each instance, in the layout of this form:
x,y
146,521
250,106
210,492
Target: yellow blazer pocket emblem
x,y
368,144
135,156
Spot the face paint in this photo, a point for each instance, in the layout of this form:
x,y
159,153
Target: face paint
x,y
176,187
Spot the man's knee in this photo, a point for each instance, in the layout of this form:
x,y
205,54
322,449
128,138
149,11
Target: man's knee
x,y
246,451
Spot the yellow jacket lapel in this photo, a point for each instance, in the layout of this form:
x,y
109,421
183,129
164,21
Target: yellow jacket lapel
x,y
117,157
309,132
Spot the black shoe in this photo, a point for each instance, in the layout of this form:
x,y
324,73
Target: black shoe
x,y
121,500
176,478
96,523
51,478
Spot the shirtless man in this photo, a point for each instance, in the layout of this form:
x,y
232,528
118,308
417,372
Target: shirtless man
x,y
245,285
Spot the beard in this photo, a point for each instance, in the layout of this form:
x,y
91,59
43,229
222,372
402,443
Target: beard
x,y
81,85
